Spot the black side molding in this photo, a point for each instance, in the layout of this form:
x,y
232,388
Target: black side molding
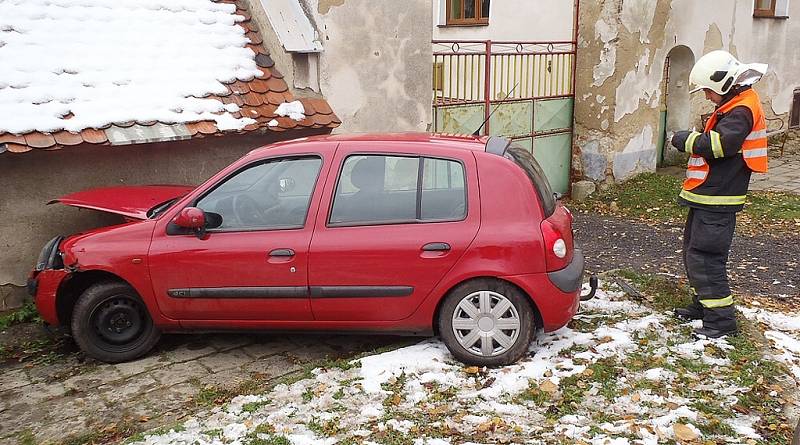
x,y
360,291
240,292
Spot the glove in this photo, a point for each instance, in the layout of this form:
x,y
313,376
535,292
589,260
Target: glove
x,y
679,139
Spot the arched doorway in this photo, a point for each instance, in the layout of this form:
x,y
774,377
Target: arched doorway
x,y
676,106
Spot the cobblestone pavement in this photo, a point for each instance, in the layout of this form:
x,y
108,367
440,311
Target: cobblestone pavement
x,y
56,399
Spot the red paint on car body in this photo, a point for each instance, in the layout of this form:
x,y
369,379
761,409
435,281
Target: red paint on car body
x,y
500,237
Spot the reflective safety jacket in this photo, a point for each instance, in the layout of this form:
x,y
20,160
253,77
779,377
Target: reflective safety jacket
x,y
733,145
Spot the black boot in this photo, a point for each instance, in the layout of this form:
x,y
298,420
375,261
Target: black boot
x,y
714,333
690,312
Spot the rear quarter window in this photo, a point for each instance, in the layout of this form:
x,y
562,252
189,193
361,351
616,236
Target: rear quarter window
x,y
525,159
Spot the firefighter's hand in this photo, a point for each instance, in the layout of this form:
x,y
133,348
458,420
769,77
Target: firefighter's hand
x,y
679,139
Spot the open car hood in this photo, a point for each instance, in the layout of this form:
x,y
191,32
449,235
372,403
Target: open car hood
x,y
128,201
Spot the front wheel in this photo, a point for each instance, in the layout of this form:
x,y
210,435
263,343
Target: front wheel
x,y
486,323
110,323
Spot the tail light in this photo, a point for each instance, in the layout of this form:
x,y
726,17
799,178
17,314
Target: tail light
x,y
557,236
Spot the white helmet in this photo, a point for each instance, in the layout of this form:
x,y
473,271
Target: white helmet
x,y
718,71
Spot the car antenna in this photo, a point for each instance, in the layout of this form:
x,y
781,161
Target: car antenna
x,y
478,131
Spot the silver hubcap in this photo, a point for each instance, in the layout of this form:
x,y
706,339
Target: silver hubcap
x,y
486,323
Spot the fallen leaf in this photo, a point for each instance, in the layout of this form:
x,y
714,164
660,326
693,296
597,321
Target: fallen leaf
x,y
683,432
636,397
548,387
472,370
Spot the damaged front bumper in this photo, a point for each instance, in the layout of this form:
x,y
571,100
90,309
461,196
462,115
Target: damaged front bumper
x,y
46,278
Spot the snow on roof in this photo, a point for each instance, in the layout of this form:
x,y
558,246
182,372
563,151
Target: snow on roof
x,y
73,65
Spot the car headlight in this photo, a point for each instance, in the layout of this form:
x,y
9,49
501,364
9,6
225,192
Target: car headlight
x,y
50,257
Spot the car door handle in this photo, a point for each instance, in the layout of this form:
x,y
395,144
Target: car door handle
x,y
281,253
436,247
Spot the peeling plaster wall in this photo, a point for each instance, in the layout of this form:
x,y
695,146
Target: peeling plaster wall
x,y
541,20
621,53
375,69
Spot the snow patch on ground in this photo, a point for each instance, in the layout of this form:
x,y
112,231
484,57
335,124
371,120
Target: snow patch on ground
x,y
420,392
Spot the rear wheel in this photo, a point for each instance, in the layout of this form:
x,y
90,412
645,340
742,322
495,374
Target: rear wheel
x,y
110,323
486,323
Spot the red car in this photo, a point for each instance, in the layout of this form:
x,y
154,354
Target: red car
x,y
399,233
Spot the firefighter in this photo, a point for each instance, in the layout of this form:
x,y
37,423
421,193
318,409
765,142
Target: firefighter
x,y
732,145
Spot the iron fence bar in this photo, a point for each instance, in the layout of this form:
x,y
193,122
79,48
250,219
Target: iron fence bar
x,y
486,92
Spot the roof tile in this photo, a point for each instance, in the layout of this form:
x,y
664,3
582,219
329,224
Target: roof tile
x,y
11,138
251,112
267,110
321,106
275,98
239,87
68,138
18,148
259,86
94,136
40,140
206,127
285,122
276,73
254,37
277,84
253,99
264,61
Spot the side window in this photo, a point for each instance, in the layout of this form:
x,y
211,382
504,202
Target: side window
x,y
375,189
443,190
269,195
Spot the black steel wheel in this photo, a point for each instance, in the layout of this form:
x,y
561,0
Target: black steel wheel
x,y
110,323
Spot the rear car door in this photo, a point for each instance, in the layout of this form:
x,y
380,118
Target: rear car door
x,y
253,266
391,225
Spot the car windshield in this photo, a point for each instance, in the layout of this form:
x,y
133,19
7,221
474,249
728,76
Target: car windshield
x,y
159,209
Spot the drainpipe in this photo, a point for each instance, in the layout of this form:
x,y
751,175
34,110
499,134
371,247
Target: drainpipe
x,y
574,83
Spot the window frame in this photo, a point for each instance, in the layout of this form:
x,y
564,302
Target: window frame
x,y
420,175
256,163
794,112
758,12
479,20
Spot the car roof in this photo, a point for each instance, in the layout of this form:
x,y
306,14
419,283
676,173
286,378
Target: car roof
x,y
468,142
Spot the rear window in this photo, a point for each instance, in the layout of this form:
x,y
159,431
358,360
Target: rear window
x,y
524,159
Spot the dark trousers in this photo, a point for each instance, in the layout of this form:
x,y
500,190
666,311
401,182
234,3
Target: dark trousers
x,y
706,243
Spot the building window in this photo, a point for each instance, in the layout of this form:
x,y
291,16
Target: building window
x,y
467,12
794,117
771,8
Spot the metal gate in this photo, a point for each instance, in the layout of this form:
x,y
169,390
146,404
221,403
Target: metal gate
x,y
528,88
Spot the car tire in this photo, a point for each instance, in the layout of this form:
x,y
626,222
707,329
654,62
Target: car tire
x,y
111,323
486,323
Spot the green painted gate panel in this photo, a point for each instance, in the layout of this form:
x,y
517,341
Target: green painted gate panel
x,y
459,119
552,114
553,153
511,119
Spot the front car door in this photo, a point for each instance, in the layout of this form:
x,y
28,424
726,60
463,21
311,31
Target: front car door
x,y
254,265
390,227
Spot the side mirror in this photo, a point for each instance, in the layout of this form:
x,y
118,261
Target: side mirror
x,y
190,218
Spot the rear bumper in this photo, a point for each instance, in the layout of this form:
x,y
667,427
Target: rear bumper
x,y
556,305
570,278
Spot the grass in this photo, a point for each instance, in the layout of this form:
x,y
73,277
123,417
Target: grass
x,y
652,196
658,292
26,314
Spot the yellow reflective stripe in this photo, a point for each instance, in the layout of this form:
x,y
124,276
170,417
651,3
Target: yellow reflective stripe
x,y
716,145
754,153
719,302
712,200
760,134
689,144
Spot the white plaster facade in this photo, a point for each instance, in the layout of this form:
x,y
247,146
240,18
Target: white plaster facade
x,y
623,46
515,20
